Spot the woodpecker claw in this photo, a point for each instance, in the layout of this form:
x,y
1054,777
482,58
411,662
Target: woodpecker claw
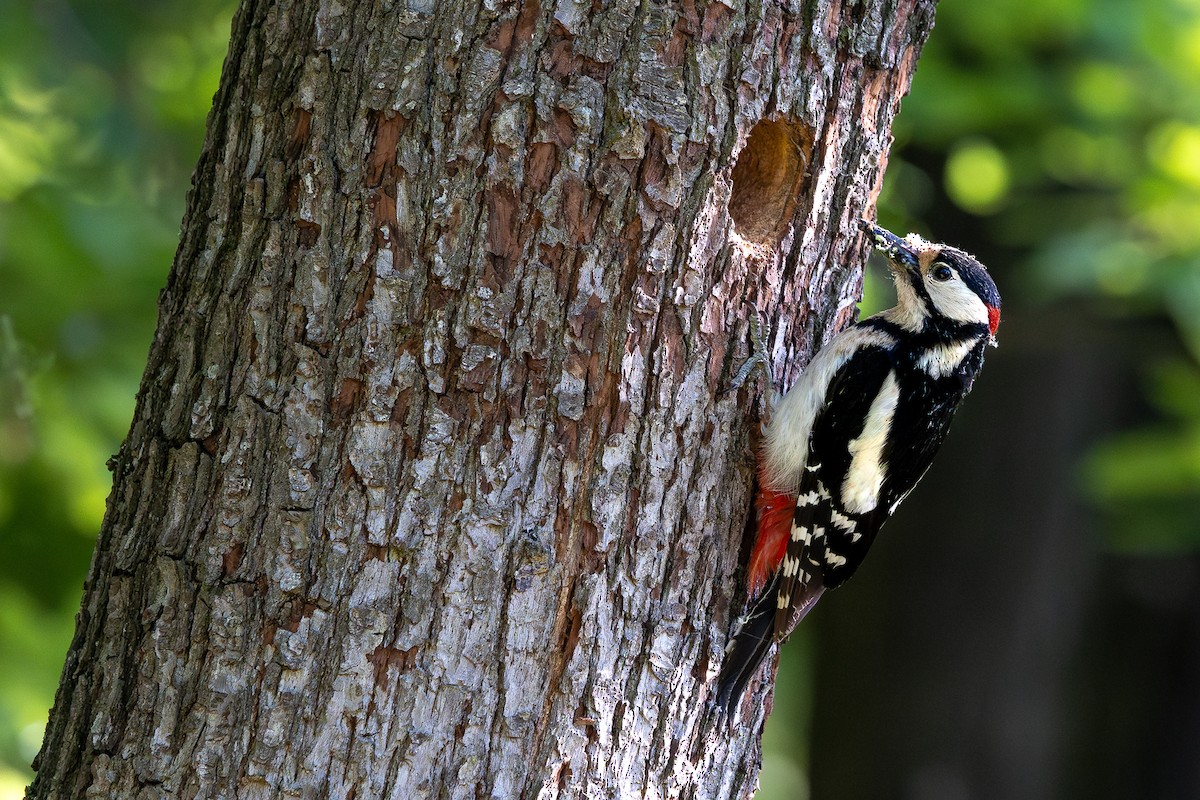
x,y
759,358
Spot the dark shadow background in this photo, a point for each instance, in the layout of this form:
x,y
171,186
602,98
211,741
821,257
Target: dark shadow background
x,y
1028,626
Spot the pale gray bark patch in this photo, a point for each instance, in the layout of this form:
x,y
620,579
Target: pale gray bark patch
x,y
433,488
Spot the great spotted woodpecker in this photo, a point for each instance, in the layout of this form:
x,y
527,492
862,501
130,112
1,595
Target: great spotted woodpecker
x,y
853,436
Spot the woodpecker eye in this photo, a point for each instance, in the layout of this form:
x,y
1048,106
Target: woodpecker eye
x,y
941,272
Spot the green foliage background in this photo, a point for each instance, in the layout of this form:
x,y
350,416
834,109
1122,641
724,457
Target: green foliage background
x,y
1060,140
102,108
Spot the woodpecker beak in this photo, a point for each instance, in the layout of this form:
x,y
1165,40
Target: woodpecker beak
x,y
898,251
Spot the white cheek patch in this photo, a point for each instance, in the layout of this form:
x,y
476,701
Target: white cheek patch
x,y
864,479
955,300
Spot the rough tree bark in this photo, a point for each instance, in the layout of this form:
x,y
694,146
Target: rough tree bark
x,y
432,488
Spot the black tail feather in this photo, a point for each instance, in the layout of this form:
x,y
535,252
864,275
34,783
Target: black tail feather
x,y
745,654
754,638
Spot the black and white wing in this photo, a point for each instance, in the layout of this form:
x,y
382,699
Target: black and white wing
x,y
843,492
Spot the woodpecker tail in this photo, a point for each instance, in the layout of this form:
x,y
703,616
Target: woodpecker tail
x,y
758,628
745,653
756,633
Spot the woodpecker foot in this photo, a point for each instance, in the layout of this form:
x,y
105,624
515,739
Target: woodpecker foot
x,y
759,359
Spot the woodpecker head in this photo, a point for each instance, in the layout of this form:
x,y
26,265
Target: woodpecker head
x,y
937,282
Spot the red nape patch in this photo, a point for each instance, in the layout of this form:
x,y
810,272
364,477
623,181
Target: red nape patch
x,y
775,511
993,319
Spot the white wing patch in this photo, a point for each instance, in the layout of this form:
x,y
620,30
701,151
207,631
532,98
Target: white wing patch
x,y
786,437
941,360
864,479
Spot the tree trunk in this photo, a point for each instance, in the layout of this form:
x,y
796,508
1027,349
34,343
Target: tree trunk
x,y
433,488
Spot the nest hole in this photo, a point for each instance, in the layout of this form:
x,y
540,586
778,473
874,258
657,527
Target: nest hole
x,y
767,179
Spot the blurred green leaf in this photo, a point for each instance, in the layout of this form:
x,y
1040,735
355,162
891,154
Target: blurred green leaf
x,y
977,176
102,107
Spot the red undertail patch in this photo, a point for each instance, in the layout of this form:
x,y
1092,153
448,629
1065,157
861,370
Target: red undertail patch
x,y
775,511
